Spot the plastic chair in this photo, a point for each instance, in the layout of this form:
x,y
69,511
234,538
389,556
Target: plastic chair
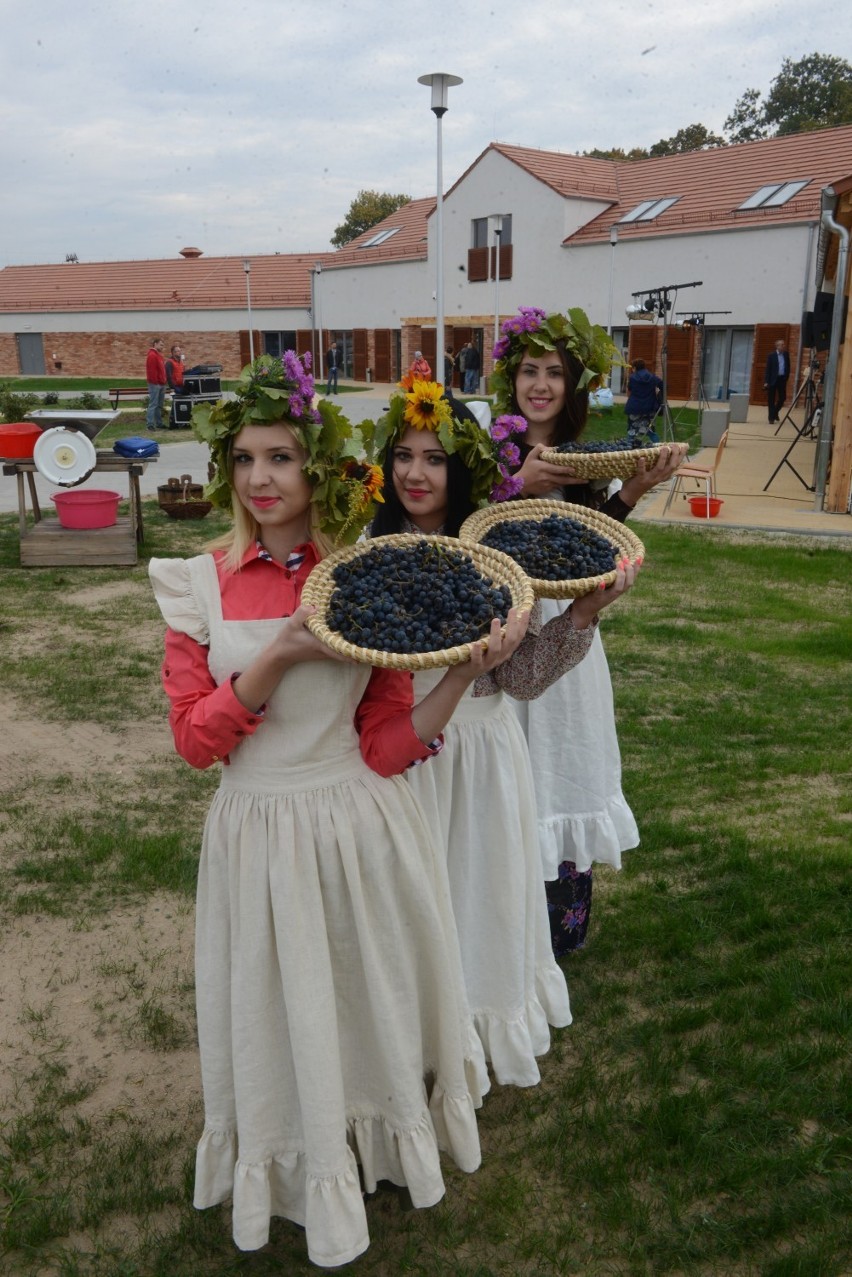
x,y
701,474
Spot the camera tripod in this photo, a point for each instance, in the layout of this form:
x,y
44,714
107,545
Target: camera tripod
x,y
810,392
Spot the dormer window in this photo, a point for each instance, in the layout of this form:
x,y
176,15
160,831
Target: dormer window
x,y
649,209
381,238
773,195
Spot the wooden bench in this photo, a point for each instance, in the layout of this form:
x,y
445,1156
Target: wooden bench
x,y
127,392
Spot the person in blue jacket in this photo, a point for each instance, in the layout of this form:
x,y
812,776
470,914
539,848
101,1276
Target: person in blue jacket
x,y
644,401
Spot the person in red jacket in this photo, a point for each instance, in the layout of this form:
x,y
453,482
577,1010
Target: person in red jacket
x,y
420,368
155,375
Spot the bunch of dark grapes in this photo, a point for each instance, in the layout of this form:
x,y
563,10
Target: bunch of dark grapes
x,y
419,598
557,548
597,445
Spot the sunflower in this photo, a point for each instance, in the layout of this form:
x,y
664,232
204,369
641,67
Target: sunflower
x,y
425,406
369,478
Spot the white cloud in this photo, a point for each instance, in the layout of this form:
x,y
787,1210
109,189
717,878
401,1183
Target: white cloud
x,y
249,127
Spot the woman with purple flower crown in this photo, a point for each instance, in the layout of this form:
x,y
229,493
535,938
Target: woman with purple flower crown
x,y
333,1027
545,367
439,466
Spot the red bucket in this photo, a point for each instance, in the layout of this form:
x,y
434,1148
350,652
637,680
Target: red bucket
x,y
92,508
17,439
699,507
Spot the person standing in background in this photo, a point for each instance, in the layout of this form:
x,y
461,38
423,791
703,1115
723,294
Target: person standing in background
x,y
420,368
332,363
775,381
155,375
471,370
174,371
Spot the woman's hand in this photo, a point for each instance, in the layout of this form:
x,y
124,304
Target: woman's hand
x,y
586,608
495,649
672,455
293,644
540,478
431,715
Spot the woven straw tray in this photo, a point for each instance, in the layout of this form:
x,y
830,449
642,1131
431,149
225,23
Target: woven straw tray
x,y
626,544
320,586
621,464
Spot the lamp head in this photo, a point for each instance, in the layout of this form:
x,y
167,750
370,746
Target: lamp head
x,y
440,82
641,310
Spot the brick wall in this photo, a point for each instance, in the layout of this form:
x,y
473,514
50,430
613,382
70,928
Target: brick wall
x,y
122,354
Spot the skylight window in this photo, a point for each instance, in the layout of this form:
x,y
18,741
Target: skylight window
x,y
381,237
649,209
773,195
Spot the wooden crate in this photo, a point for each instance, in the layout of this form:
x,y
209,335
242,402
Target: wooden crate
x,y
48,544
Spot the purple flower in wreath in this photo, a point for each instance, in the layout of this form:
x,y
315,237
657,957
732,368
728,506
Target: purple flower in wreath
x,y
509,487
510,454
501,349
508,425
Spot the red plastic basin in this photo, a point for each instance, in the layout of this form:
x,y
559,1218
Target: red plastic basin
x,y
698,506
17,439
92,508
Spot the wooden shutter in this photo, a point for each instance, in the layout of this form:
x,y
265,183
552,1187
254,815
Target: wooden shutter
x,y
477,264
245,348
427,345
679,373
643,344
505,262
359,354
303,341
382,370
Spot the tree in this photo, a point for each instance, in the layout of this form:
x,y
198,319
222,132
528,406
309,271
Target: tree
x,y
746,123
695,137
813,93
637,153
366,210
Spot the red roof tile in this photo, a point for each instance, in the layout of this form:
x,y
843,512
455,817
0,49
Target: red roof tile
x,y
711,185
200,283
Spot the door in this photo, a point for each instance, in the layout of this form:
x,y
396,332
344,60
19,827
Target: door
x,y
31,354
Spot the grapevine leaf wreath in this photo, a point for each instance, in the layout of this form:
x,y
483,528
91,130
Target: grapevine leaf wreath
x,y
272,390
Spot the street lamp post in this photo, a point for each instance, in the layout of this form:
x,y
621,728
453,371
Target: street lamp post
x,y
613,239
498,232
440,84
316,318
247,269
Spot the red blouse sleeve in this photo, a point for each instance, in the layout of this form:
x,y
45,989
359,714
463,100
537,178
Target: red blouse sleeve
x,y
207,720
389,743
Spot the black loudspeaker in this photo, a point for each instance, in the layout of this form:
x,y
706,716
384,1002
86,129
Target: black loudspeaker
x,y
822,313
816,330
181,412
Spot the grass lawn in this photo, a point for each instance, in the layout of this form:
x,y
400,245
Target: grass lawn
x,y
695,1118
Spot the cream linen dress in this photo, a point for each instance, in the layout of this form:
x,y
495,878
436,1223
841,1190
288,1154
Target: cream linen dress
x,y
332,1021
583,815
479,792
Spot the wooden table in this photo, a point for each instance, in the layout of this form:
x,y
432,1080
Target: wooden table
x,y
45,543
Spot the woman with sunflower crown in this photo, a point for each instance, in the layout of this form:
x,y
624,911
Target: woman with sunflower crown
x,y
546,365
332,1023
439,466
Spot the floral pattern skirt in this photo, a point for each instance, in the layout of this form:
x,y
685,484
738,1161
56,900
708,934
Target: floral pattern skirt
x,y
569,907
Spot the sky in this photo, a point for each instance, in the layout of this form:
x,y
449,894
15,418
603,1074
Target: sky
x,y
130,131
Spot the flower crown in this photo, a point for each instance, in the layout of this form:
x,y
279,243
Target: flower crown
x,y
423,405
532,331
273,390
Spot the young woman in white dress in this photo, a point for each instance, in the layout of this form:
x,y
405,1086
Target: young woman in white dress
x,y
479,790
545,367
333,1027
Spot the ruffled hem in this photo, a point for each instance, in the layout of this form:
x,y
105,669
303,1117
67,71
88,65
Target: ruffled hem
x,y
586,839
552,994
330,1207
511,1046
